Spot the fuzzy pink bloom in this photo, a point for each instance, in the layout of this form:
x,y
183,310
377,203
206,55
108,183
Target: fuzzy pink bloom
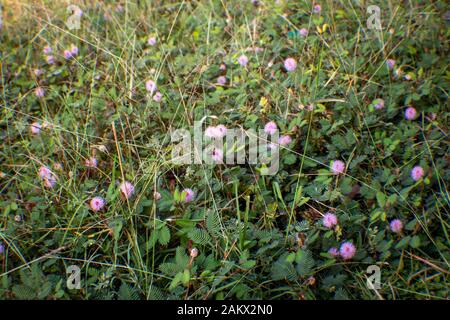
x,y
67,54
396,225
390,63
151,41
74,50
338,167
333,251
217,155
190,195
417,173
47,50
50,59
37,72
157,97
35,128
48,176
378,103
222,130
150,85
410,113
347,250
284,140
223,67
317,8
243,60
97,203
303,32
290,64
49,182
127,189
39,92
222,80
44,172
329,220
212,132
270,127
91,162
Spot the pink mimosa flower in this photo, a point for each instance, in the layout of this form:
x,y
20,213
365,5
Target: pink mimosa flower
x,y
150,85
417,173
270,127
217,155
334,252
35,128
378,103
40,92
190,195
284,140
338,167
157,97
127,189
47,50
222,130
290,64
303,32
396,225
74,50
97,203
243,60
151,41
347,250
390,63
222,80
329,220
410,113
67,54
317,8
91,162
50,59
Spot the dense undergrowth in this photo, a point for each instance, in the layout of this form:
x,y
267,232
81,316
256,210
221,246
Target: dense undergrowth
x,y
88,116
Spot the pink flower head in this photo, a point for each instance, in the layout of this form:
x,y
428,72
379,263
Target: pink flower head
x,y
48,176
157,97
222,130
150,85
417,173
410,113
284,140
127,189
378,103
40,92
390,63
74,50
67,54
270,127
35,128
151,41
317,8
217,155
44,172
190,194
329,220
97,203
212,132
50,59
333,251
91,162
243,60
338,167
303,32
347,250
47,50
221,80
37,72
396,225
290,64
223,67
49,182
